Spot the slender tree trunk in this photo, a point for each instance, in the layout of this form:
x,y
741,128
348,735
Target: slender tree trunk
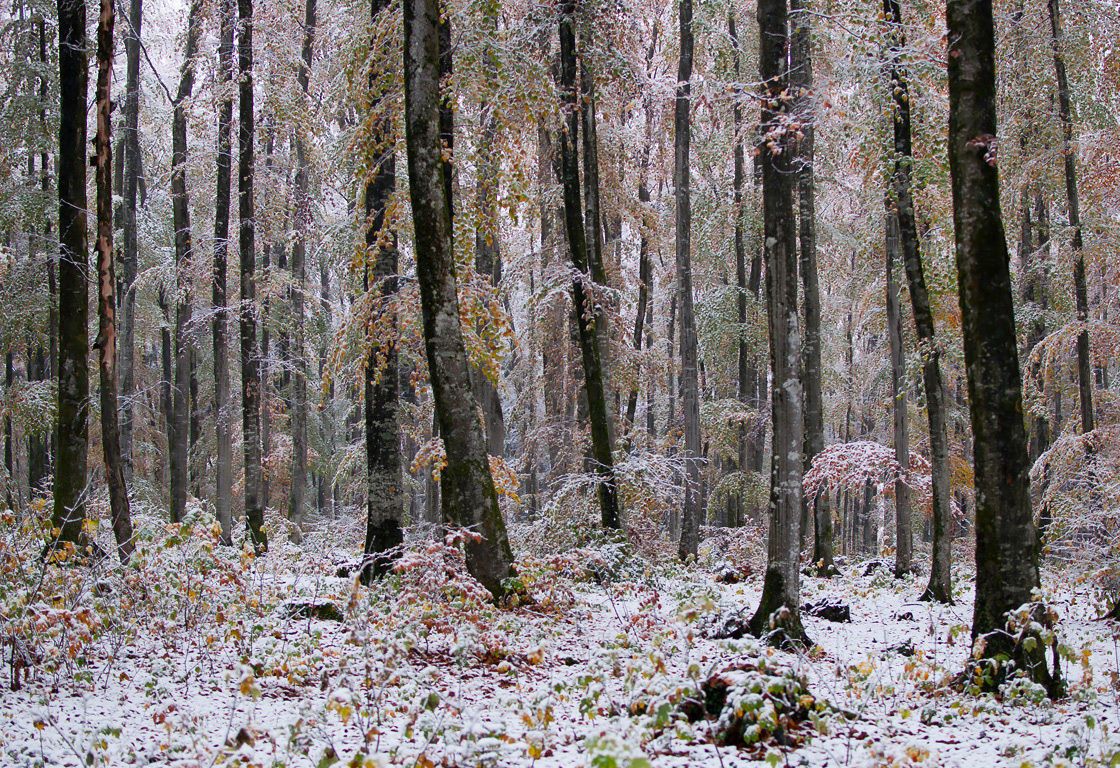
x,y
1006,557
903,534
250,355
469,498
10,494
106,295
744,380
940,578
382,414
1034,293
180,205
72,427
130,144
693,510
779,609
299,273
1069,153
223,422
801,79
584,301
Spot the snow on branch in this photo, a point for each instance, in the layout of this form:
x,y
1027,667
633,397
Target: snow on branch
x,y
848,466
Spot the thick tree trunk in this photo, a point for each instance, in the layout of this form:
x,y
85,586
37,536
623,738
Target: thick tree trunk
x,y
940,579
130,145
1069,153
584,300
903,535
72,427
299,275
250,355
469,498
779,609
693,510
223,422
382,415
180,206
801,79
1006,558
106,294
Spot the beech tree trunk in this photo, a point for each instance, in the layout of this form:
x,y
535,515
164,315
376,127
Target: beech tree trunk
x,y
903,535
223,422
1006,558
1069,153
779,610
180,205
940,578
744,381
130,146
299,275
72,427
584,301
469,498
106,294
382,415
250,355
693,510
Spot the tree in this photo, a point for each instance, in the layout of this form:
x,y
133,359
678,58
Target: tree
x,y
72,427
299,273
382,411
584,300
690,382
903,539
940,576
779,608
179,433
469,498
223,480
130,146
1006,556
250,356
106,293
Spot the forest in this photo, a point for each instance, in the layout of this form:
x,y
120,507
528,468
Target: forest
x,y
561,382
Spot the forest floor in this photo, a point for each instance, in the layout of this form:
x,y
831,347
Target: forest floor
x,y
199,655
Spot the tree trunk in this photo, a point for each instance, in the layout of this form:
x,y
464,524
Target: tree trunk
x,y
1069,153
801,79
1006,558
223,425
583,300
903,535
692,512
779,609
250,355
744,380
382,415
299,275
130,145
180,413
469,498
72,427
106,295
940,577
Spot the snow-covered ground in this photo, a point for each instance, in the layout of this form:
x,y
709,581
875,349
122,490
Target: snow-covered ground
x,y
190,659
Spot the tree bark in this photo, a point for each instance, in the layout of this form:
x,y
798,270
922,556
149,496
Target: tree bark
x,y
1006,564
223,425
469,498
72,427
1069,153
584,300
692,511
299,275
180,205
106,295
903,535
940,579
130,145
250,355
744,380
382,415
779,609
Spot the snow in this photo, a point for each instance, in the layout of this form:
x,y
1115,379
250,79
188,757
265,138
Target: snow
x,y
421,673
